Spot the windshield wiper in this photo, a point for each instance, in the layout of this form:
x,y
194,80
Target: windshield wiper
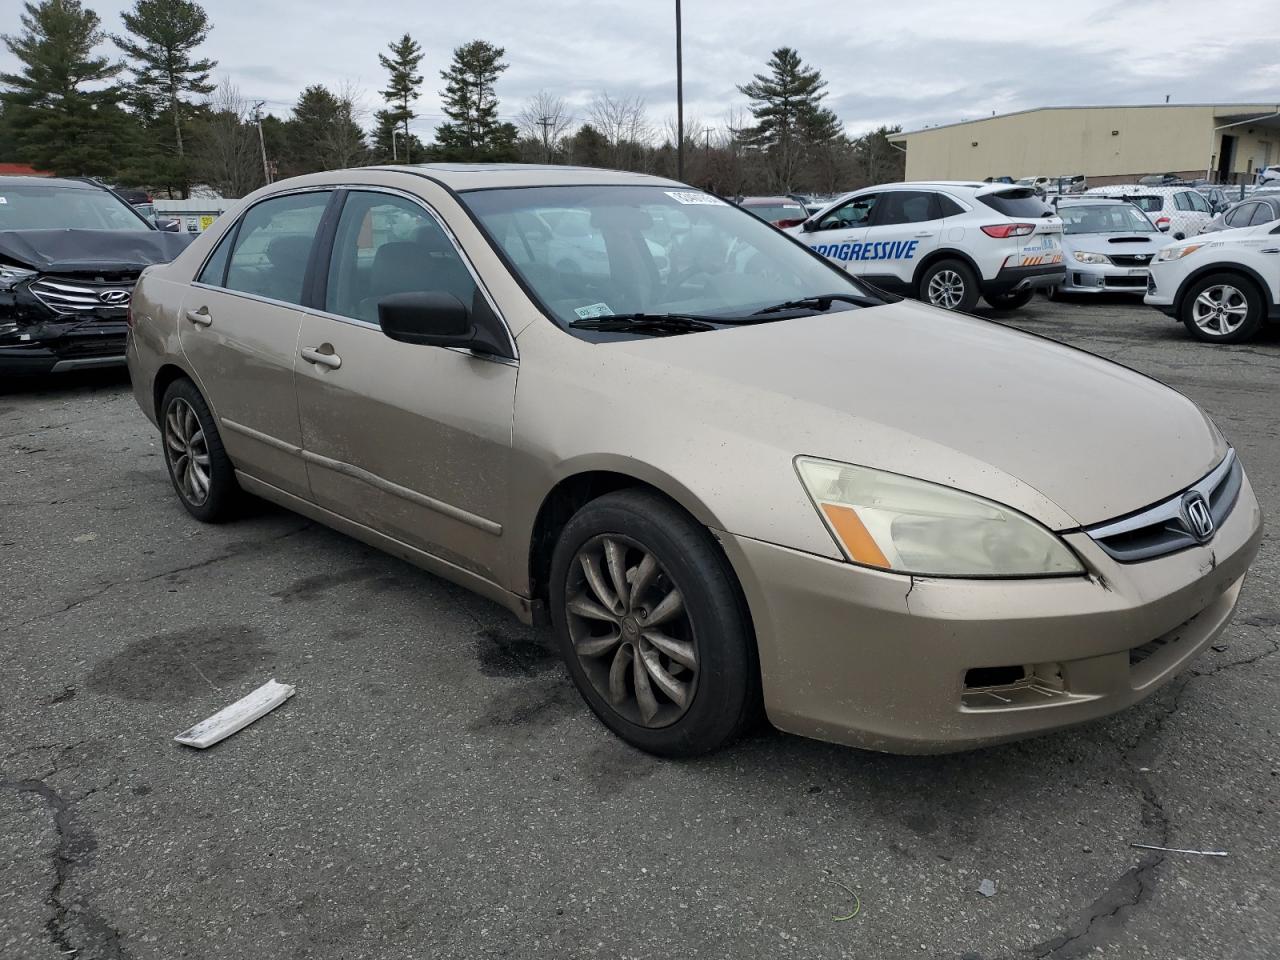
x,y
655,323
821,302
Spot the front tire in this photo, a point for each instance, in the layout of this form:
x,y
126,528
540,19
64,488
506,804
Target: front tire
x,y
652,625
1010,301
951,285
199,468
1222,308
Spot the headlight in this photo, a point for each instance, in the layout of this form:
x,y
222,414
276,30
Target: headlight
x,y
1091,257
10,276
911,526
1177,253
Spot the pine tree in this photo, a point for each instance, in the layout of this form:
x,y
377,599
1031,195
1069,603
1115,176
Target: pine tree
x,y
56,123
402,90
323,133
787,106
474,131
162,37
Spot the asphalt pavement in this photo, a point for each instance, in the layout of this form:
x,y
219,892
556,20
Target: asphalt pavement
x,y
436,788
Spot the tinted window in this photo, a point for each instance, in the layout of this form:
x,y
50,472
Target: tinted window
x,y
948,207
1239,216
1017,203
906,206
216,268
387,244
855,213
273,246
1148,203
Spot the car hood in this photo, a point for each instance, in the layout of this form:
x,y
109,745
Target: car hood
x,y
1058,433
88,251
1125,244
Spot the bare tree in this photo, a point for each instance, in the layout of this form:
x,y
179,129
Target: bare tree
x,y
625,125
225,153
343,140
545,119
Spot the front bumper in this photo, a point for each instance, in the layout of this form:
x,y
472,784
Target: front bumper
x,y
97,344
1103,278
1161,293
1013,279
887,662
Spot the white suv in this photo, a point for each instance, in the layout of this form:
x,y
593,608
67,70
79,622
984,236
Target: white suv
x,y
1222,286
1179,211
946,243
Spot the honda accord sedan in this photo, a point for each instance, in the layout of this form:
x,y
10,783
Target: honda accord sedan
x,y
734,482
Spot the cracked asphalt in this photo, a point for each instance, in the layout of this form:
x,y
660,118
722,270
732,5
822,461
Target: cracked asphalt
x,y
437,789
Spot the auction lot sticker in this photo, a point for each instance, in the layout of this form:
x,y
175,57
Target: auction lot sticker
x,y
694,197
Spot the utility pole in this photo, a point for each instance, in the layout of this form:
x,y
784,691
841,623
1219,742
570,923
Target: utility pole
x,y
408,145
395,132
679,99
262,142
545,123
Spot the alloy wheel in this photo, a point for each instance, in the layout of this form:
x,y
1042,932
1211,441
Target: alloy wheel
x,y
187,451
1220,310
630,631
946,289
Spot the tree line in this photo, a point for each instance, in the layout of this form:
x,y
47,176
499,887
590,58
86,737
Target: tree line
x,y
153,116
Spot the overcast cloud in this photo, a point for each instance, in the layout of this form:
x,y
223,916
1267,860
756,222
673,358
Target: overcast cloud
x,y
916,62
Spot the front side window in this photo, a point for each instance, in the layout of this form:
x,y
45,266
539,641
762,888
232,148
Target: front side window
x,y
589,252
855,213
906,206
273,246
57,206
1103,218
385,245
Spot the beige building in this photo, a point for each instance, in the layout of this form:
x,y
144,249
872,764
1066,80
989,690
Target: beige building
x,y
1106,144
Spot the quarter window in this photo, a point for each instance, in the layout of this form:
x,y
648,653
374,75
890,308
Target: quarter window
x,y
273,246
215,269
386,245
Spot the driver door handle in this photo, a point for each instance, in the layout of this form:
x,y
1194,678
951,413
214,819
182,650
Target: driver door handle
x,y
314,355
926,233
200,317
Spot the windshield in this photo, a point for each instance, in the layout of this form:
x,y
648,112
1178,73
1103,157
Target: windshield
x,y
46,206
1104,218
598,251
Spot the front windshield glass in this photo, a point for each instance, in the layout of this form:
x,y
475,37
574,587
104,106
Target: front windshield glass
x,y
1104,218
57,207
597,251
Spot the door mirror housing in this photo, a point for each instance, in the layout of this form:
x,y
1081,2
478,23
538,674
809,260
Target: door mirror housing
x,y
426,318
167,224
809,225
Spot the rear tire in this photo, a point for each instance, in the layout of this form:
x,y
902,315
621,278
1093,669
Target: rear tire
x,y
949,284
1010,301
199,468
630,566
1222,308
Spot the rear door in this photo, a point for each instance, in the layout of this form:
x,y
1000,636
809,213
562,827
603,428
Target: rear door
x,y
906,227
239,332
838,234
412,441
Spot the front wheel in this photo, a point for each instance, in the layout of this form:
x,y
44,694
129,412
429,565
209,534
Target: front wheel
x,y
951,285
1222,308
1010,301
652,625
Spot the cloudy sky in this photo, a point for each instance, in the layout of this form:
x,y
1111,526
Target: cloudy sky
x,y
914,62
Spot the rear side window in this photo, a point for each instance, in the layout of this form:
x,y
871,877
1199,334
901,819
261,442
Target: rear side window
x,y
905,206
1239,217
385,245
1148,203
1021,204
1264,214
1198,202
273,246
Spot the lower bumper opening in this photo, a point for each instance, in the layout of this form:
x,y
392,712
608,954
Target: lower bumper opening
x,y
1013,686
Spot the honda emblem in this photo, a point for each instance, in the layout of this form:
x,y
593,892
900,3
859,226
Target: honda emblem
x,y
1199,518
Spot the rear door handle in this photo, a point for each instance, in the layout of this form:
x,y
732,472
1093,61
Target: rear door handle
x,y
1271,250
330,359
200,317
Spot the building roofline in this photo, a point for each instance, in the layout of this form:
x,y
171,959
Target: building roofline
x,y
1248,105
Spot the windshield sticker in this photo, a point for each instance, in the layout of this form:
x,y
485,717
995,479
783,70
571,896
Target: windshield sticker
x,y
4,199
694,197
885,250
593,310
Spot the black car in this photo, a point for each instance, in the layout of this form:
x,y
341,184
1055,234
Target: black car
x,y
70,253
1258,209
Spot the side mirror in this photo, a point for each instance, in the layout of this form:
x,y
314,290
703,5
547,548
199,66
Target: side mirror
x,y
809,226
168,225
429,319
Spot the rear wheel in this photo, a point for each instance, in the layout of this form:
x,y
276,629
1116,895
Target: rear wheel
x,y
1010,301
652,625
201,472
1222,308
951,285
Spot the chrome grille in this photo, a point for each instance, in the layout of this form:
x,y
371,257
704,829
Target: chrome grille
x,y
72,296
1166,528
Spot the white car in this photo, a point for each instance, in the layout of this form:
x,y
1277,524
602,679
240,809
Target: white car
x,y
1107,245
1179,211
944,242
1269,175
1223,286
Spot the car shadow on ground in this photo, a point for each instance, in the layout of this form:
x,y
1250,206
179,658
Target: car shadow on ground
x,y
75,383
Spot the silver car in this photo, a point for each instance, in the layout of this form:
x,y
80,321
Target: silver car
x,y
1106,246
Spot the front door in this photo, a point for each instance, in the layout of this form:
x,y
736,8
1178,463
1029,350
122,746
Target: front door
x,y
838,234
412,441
239,331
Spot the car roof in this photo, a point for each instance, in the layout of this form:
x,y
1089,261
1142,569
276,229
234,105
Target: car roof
x,y
482,176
